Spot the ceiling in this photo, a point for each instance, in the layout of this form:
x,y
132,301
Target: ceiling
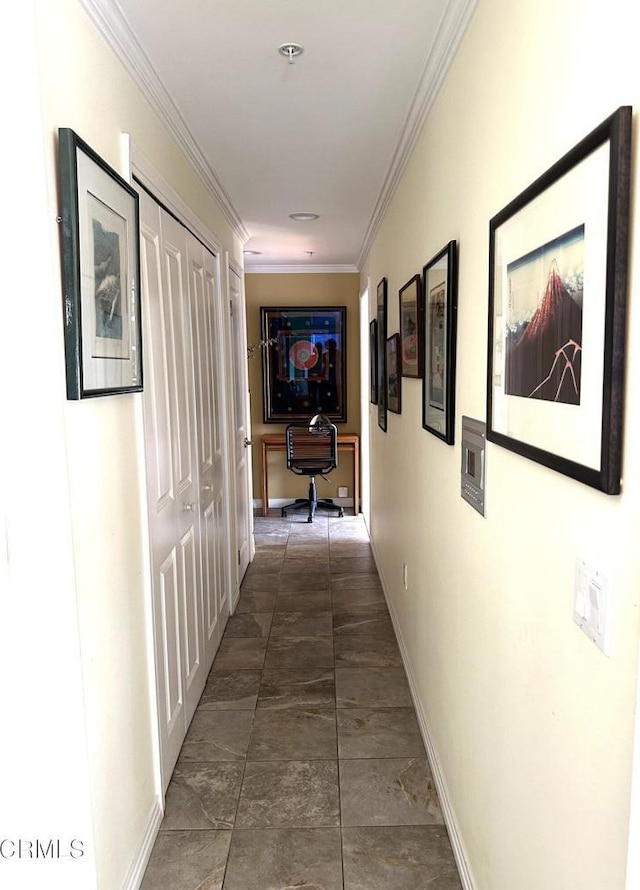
x,y
328,134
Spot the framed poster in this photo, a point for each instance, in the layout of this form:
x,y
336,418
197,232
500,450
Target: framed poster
x,y
304,362
394,374
101,274
410,297
440,288
381,297
373,361
557,306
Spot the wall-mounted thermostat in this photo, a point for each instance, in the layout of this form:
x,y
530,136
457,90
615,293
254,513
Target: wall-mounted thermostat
x,y
472,466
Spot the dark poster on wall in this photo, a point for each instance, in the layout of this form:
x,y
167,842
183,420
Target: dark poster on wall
x,y
304,363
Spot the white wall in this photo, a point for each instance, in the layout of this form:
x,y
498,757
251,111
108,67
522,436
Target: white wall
x,y
531,724
86,88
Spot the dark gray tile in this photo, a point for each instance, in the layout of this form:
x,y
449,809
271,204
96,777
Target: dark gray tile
x,y
372,687
317,550
256,602
260,582
309,566
303,582
248,624
187,860
230,691
363,624
275,859
368,599
366,652
203,795
290,793
301,624
302,688
240,654
293,734
350,550
266,563
351,565
354,581
300,652
406,857
217,735
378,732
388,792
318,601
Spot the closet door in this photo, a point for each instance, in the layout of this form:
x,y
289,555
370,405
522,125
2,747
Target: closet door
x,y
207,357
172,483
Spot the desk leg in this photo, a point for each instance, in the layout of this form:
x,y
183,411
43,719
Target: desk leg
x,y
265,492
356,477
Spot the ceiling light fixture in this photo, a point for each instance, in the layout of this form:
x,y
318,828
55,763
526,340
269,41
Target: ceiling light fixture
x,y
304,216
290,51
252,253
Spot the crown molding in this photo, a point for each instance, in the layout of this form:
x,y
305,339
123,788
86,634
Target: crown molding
x,y
300,270
109,19
451,30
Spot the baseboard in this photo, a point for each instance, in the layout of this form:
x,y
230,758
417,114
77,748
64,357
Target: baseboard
x,y
276,503
137,868
448,812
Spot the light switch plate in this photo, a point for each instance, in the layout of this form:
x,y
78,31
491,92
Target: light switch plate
x,y
592,606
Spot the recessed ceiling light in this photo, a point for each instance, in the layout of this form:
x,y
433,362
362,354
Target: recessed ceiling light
x,y
305,217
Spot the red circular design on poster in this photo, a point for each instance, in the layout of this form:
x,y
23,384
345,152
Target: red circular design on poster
x,y
303,355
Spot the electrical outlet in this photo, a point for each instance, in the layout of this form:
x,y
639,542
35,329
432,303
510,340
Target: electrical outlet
x,y
343,491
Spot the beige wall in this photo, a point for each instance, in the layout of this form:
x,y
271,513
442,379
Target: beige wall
x,y
313,289
86,88
531,724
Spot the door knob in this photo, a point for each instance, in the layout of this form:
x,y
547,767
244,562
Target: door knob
x,y
188,508
207,487
247,442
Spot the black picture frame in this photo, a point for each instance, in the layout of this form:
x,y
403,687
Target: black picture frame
x,y
304,362
381,302
556,357
373,361
394,373
101,274
440,293
410,300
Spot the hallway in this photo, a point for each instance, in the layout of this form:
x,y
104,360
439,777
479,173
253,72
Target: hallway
x,y
303,766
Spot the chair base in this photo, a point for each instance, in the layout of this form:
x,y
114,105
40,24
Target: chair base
x,y
312,503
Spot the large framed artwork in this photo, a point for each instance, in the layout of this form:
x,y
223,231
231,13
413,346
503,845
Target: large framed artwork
x,y
381,298
410,298
394,374
557,307
304,362
373,361
440,288
101,274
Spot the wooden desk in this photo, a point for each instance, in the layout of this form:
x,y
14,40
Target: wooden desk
x,y
346,442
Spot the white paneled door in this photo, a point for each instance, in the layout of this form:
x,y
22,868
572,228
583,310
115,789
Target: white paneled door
x,y
189,536
242,425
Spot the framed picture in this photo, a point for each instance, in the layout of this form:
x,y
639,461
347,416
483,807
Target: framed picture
x,y
381,297
557,303
394,373
440,289
304,362
373,360
410,296
101,274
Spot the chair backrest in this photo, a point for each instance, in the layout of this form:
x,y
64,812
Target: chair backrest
x,y
312,452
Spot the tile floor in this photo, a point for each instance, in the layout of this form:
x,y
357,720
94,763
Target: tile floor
x,y
304,767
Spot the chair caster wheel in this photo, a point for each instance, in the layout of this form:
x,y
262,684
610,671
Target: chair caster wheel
x,y
283,513
340,514
310,519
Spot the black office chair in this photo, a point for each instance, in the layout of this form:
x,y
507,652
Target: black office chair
x,y
312,450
